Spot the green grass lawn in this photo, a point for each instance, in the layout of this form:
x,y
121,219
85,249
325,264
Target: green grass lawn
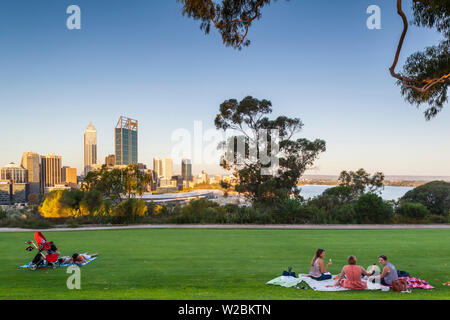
x,y
218,264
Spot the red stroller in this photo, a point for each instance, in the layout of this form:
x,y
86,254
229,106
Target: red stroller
x,y
49,259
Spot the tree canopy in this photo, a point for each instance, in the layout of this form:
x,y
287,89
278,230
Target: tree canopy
x,y
117,184
259,177
424,78
360,181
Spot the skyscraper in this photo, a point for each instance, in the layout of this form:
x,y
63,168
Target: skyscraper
x,y
157,167
50,170
90,148
186,169
126,141
167,167
31,161
163,167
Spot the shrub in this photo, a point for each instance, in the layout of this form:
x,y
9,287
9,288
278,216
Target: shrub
x,y
434,195
370,208
3,214
438,219
129,210
413,210
345,214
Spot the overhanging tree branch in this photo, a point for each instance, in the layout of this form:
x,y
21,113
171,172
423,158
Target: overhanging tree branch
x,y
407,82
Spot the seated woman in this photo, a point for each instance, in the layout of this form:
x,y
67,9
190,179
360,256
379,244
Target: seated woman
x,y
318,269
352,273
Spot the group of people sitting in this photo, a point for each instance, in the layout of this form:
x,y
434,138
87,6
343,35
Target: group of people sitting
x,y
351,274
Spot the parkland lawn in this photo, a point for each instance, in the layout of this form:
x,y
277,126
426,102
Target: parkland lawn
x,y
218,263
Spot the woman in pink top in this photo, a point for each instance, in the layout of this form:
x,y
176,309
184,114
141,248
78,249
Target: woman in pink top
x,y
352,273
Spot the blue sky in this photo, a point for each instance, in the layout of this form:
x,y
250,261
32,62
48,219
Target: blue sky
x,y
143,59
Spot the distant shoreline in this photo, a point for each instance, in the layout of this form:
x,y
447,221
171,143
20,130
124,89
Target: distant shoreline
x,y
387,183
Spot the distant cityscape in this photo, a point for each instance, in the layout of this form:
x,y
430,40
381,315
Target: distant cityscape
x,y
40,174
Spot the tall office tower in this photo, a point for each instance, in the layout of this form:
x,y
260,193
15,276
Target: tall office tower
x,y
14,173
110,160
158,167
69,175
126,141
167,167
50,170
186,169
31,161
90,148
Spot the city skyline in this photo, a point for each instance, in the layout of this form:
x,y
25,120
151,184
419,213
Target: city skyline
x,y
169,78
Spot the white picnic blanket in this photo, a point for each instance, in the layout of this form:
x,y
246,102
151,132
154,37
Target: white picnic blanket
x,y
322,285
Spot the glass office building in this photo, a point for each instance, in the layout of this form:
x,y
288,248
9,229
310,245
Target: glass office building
x,y
126,141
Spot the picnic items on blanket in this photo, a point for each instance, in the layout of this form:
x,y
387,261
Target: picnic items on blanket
x,y
288,273
50,258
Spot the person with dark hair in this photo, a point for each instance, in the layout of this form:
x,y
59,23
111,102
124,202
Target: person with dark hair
x,y
318,270
389,272
79,258
352,274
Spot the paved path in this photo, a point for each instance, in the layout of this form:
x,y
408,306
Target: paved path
x,y
246,226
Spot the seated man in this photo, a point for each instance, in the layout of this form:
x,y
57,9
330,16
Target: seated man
x,y
389,272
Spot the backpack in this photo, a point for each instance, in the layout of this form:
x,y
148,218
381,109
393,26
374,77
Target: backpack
x,y
288,273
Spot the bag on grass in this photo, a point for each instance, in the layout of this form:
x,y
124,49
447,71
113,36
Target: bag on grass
x,y
288,273
399,285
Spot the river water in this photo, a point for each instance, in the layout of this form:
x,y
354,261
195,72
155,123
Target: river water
x,y
388,193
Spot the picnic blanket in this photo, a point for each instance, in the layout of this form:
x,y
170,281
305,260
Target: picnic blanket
x,y
285,281
416,283
288,282
60,265
322,285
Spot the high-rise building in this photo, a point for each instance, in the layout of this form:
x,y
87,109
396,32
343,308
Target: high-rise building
x,y
31,161
167,167
158,167
69,175
110,160
5,192
14,173
90,148
126,141
50,170
186,169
